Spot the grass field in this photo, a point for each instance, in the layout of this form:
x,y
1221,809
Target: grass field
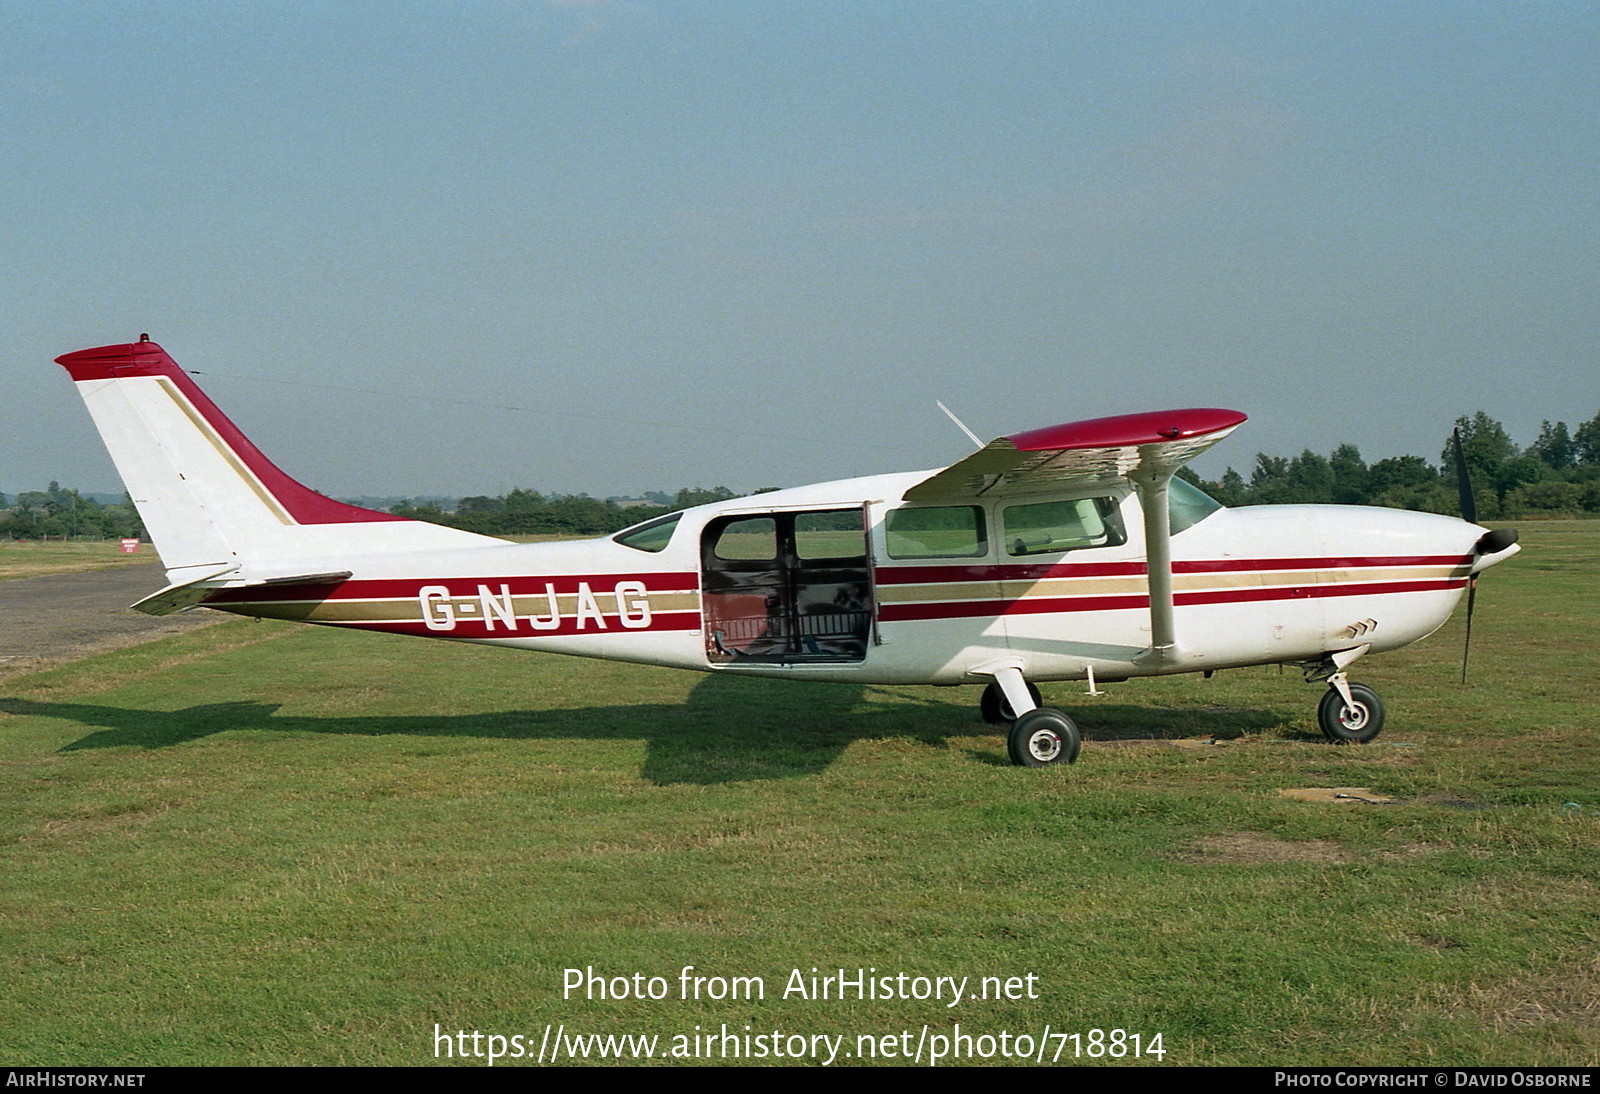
x,y
31,558
260,844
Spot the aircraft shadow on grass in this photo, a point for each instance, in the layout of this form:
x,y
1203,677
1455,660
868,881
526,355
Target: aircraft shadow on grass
x,y
730,729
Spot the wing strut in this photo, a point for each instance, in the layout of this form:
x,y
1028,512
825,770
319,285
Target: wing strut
x,y
1151,484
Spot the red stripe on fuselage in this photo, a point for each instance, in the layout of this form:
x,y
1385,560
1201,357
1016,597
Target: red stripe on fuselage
x,y
1234,565
410,588
1314,592
928,575
1044,605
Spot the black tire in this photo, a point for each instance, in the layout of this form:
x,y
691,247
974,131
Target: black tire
x,y
994,707
1345,725
1043,737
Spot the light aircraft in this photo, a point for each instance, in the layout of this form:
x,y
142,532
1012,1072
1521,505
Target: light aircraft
x,y
1064,553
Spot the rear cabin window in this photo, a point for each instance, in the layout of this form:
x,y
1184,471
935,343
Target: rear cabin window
x,y
1054,526
822,536
946,531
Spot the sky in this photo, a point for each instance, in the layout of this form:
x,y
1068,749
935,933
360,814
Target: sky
x,y
610,246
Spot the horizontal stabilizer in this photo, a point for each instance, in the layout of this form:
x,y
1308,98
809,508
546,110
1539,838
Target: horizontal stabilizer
x,y
188,594
183,595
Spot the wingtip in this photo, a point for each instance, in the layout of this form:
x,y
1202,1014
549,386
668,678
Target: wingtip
x,y
1130,430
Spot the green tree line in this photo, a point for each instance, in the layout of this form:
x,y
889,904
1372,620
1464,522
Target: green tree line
x,y
34,514
1559,473
527,512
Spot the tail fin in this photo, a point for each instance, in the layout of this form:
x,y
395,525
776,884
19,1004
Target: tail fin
x,y
210,500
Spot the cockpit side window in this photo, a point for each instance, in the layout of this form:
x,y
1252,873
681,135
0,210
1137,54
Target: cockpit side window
x,y
1054,526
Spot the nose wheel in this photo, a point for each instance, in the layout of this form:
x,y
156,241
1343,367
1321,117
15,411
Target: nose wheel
x,y
1350,715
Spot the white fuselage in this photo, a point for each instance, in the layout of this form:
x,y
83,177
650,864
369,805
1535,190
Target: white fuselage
x,y
1254,585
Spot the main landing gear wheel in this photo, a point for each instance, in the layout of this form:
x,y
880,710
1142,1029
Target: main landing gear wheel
x,y
994,708
1043,737
1350,724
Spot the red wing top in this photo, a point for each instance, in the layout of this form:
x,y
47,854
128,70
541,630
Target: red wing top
x,y
1081,453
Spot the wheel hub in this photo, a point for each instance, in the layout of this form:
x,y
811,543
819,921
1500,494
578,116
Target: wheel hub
x,y
1045,745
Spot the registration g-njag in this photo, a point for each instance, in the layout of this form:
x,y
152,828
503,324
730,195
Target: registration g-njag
x,y
1064,553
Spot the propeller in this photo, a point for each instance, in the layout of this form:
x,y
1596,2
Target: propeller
x,y
1488,544
1469,513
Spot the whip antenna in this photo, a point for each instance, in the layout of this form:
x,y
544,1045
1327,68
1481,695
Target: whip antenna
x,y
948,413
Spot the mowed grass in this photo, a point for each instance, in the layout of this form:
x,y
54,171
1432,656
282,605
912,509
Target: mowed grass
x,y
259,844
32,558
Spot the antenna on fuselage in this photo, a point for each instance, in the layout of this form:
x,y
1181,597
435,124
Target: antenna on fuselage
x,y
948,413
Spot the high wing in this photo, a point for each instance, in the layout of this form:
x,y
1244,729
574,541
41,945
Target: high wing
x,y
1081,454
1146,449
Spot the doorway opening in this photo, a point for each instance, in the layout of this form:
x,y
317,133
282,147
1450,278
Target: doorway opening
x,y
787,587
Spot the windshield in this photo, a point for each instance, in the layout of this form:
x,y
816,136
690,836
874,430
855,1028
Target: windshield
x,y
1188,505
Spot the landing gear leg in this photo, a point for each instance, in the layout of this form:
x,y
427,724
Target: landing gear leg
x,y
994,708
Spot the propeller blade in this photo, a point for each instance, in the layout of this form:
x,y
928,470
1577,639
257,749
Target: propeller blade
x,y
1489,543
1469,503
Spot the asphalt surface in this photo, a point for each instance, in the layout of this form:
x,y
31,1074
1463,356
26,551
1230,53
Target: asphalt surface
x,y
61,617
